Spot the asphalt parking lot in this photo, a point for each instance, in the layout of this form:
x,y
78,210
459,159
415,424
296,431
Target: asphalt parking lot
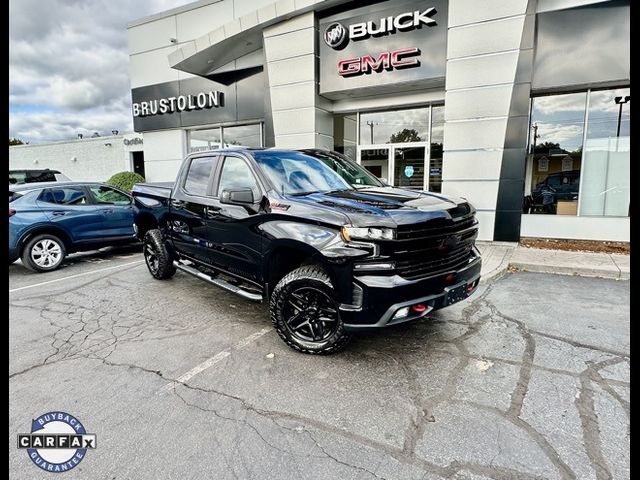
x,y
177,379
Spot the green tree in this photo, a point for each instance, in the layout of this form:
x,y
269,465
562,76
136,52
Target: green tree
x,y
405,135
547,147
15,141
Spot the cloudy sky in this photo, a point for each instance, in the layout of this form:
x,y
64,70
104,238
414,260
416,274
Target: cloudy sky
x,y
69,66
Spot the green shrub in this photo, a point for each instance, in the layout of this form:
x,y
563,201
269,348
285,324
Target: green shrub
x,y
125,180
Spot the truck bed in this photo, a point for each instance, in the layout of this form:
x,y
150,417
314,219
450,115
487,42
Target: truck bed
x,y
157,191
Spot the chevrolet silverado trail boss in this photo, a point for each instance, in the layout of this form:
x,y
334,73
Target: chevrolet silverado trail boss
x,y
331,248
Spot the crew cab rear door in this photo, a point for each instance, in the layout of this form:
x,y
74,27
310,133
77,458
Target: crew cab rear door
x,y
190,201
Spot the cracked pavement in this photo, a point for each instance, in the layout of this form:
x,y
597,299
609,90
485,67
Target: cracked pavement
x,y
528,379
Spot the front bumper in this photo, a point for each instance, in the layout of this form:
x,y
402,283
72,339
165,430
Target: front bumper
x,y
383,296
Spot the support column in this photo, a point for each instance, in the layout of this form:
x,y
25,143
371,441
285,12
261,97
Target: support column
x,y
486,108
300,116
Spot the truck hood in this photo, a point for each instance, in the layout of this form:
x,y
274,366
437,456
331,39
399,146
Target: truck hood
x,y
384,206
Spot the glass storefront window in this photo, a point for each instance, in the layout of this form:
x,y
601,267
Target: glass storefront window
x,y
575,168
211,138
242,136
402,147
201,140
606,172
557,130
398,126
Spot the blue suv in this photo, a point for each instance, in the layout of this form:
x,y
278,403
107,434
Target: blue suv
x,y
51,219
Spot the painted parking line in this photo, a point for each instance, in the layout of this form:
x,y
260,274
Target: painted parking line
x,y
210,362
74,276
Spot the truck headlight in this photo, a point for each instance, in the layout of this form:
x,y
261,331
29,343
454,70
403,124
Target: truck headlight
x,y
367,233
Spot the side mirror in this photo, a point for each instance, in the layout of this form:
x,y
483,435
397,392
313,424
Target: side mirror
x,y
239,196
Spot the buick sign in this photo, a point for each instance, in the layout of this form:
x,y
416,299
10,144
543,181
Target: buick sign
x,y
337,36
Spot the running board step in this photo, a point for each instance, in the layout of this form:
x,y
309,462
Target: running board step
x,y
218,282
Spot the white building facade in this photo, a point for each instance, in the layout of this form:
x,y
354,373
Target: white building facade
x,y
89,159
520,106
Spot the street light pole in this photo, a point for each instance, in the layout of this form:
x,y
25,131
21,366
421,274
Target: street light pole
x,y
620,101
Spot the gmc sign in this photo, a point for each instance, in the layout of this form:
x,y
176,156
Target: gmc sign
x,y
366,64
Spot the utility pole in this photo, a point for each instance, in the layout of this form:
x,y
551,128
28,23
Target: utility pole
x,y
535,138
371,124
620,101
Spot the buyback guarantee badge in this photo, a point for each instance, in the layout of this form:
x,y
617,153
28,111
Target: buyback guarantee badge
x,y
57,443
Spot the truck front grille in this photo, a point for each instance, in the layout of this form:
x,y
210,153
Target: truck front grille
x,y
434,247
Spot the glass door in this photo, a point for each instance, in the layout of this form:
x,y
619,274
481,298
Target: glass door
x,y
376,160
409,162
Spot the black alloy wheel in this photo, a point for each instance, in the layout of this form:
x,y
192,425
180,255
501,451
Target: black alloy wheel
x,y
305,313
310,315
158,258
151,257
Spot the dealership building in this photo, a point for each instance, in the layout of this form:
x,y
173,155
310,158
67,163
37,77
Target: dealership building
x,y
520,106
93,159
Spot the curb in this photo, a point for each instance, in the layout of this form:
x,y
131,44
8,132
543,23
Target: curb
x,y
575,271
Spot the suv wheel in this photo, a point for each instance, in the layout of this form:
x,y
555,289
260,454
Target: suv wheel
x,y
43,253
158,258
305,313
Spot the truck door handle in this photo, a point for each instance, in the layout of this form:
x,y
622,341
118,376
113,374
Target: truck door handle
x,y
211,212
59,213
178,203
108,210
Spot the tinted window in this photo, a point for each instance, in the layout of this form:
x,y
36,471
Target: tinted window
x,y
237,174
553,181
108,195
31,176
198,175
64,196
16,177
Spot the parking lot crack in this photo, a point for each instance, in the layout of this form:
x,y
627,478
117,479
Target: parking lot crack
x,y
325,453
554,457
522,386
588,417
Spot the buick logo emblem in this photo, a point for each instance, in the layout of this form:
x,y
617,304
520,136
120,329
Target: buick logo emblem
x,y
336,36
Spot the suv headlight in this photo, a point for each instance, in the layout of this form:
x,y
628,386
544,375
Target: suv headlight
x,y
367,233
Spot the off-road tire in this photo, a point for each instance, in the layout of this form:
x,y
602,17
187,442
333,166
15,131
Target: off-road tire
x,y
156,255
27,259
314,277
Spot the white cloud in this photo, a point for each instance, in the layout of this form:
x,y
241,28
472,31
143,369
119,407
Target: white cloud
x,y
568,136
69,66
572,102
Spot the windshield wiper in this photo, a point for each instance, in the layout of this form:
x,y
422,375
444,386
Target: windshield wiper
x,y
299,194
339,190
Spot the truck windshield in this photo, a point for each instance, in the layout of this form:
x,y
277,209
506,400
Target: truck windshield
x,y
297,173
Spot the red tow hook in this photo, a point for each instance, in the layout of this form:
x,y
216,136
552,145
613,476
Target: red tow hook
x,y
418,308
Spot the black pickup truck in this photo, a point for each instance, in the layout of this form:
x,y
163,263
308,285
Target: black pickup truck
x,y
332,248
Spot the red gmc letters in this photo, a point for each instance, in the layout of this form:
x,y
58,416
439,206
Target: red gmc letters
x,y
397,59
